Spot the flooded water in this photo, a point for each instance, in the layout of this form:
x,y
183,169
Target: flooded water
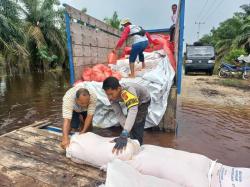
x,y
218,132
25,99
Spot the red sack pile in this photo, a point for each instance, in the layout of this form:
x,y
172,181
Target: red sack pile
x,y
160,41
99,73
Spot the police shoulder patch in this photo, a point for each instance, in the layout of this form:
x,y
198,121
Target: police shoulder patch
x,y
129,99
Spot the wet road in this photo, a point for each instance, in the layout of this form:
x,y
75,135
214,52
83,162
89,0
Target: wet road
x,y
218,132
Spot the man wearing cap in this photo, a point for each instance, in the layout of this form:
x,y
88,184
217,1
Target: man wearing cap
x,y
140,40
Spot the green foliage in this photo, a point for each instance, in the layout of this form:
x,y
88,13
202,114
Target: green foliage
x,y
232,34
114,21
12,37
42,25
33,31
233,54
207,39
43,54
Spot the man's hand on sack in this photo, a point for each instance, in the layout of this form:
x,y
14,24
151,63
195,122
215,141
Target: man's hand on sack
x,y
120,142
65,143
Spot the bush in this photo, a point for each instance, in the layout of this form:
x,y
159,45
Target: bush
x,y
233,54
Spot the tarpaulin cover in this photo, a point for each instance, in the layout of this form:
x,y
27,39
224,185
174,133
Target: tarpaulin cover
x,y
157,78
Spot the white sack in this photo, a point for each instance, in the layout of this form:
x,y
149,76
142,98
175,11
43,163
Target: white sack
x,y
184,168
96,150
225,176
120,174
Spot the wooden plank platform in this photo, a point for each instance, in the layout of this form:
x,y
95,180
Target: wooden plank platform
x,y
31,156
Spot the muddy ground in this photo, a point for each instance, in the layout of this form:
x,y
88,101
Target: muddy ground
x,y
213,90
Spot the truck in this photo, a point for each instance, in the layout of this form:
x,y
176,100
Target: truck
x,y
199,58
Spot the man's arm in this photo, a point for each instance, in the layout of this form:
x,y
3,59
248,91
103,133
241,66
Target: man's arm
x,y
130,120
123,38
87,123
66,129
118,113
149,38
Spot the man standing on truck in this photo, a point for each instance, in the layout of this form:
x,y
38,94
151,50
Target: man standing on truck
x,y
79,104
174,19
140,39
137,100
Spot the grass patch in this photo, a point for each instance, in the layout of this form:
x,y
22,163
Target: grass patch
x,y
236,83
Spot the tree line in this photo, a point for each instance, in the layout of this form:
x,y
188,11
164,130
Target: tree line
x,y
232,38
32,35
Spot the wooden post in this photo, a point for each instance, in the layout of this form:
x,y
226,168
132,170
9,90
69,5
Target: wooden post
x,y
168,122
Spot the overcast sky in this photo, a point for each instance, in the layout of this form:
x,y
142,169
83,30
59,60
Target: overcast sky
x,y
156,14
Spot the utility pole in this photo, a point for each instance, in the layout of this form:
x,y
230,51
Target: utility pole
x,y
199,27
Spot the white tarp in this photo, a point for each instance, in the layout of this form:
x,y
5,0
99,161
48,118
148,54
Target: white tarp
x,y
158,80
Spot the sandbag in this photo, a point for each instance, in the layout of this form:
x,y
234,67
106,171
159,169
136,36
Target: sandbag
x,y
112,58
116,75
226,176
100,67
120,174
97,75
187,169
107,72
86,74
96,150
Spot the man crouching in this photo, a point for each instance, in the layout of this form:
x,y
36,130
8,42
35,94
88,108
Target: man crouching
x,y
78,109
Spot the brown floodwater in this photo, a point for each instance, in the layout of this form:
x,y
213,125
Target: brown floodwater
x,y
218,132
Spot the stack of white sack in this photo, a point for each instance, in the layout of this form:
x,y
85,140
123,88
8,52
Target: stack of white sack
x,y
174,167
121,174
95,150
188,169
184,168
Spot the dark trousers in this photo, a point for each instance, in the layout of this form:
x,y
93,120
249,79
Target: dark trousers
x,y
138,128
77,119
172,33
137,50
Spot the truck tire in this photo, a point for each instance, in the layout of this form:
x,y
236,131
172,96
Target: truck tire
x,y
210,72
245,75
223,73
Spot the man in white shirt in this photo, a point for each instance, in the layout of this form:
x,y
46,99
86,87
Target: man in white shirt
x,y
174,19
79,104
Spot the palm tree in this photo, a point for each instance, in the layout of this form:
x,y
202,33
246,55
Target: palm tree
x,y
12,37
43,25
243,39
225,34
114,21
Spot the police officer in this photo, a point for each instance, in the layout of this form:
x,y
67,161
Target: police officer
x,y
137,100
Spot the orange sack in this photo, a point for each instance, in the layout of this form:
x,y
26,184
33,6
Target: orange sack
x,y
99,73
86,75
112,58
